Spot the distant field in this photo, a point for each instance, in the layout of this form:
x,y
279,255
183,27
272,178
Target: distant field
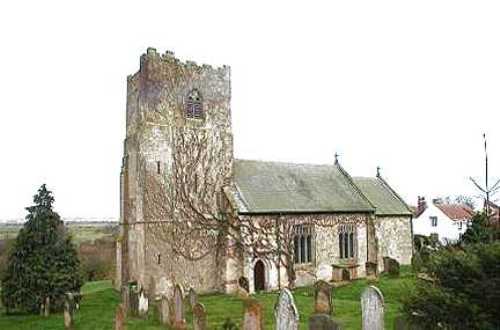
x,y
80,233
100,300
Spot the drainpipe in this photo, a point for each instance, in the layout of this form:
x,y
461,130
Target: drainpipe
x,y
278,235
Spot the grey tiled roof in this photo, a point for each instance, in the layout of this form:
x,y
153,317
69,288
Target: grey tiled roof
x,y
272,187
386,201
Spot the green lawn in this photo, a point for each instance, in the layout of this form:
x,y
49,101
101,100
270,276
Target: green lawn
x,y
100,300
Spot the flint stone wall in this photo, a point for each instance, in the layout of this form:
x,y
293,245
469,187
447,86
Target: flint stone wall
x,y
394,239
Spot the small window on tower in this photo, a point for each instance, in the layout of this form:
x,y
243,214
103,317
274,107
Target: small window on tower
x,y
159,259
158,167
194,105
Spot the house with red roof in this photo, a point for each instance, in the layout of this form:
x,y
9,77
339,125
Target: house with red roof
x,y
446,221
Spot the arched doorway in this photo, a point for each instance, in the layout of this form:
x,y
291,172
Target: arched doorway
x,y
259,276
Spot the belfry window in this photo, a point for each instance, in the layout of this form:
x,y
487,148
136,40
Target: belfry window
x,y
303,244
194,105
347,243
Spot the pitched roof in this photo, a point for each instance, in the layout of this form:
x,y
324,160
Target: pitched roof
x,y
456,211
380,194
273,187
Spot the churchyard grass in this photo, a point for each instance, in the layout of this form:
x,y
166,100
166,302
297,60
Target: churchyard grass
x,y
100,301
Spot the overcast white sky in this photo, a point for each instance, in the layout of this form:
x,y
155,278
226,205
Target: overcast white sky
x,y
410,86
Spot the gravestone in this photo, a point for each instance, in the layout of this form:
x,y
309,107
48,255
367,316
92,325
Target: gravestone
x,y
371,269
386,264
120,317
152,289
193,297
323,322
164,310
372,309
134,301
393,267
323,302
126,298
199,317
69,310
143,304
285,312
46,307
253,317
244,284
179,321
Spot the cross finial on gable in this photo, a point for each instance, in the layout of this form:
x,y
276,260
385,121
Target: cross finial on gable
x,y
336,158
378,171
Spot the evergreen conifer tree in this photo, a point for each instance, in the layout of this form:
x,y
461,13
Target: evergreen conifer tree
x,y
43,262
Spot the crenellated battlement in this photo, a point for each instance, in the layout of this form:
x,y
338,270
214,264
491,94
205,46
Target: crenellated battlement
x,y
169,57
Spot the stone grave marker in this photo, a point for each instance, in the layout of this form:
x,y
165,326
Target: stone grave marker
x,y
323,322
371,269
323,302
120,317
193,297
253,317
126,298
46,307
69,310
178,304
134,301
393,267
164,311
199,317
152,289
143,304
285,312
372,309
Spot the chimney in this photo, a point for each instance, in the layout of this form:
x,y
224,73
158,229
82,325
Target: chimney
x,y
421,205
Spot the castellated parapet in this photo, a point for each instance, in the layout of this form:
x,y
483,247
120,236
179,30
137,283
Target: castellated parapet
x,y
158,135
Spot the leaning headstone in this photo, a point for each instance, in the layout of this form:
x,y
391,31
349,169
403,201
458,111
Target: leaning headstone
x,y
323,303
372,309
285,312
179,321
120,317
323,322
199,317
143,305
193,297
164,310
69,310
253,317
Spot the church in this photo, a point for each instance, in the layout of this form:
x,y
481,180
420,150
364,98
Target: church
x,y
192,214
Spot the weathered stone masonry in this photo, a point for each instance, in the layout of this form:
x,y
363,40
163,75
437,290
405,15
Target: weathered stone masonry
x,y
190,161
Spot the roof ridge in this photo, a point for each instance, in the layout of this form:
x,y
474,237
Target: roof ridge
x,y
281,162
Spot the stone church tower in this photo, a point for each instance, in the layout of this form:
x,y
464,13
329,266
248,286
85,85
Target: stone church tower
x,y
178,156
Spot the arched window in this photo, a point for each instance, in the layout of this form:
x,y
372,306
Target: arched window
x,y
303,244
194,105
347,241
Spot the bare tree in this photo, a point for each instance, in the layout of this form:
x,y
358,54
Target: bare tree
x,y
189,209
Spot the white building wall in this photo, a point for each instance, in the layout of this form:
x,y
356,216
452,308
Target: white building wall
x,y
447,229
